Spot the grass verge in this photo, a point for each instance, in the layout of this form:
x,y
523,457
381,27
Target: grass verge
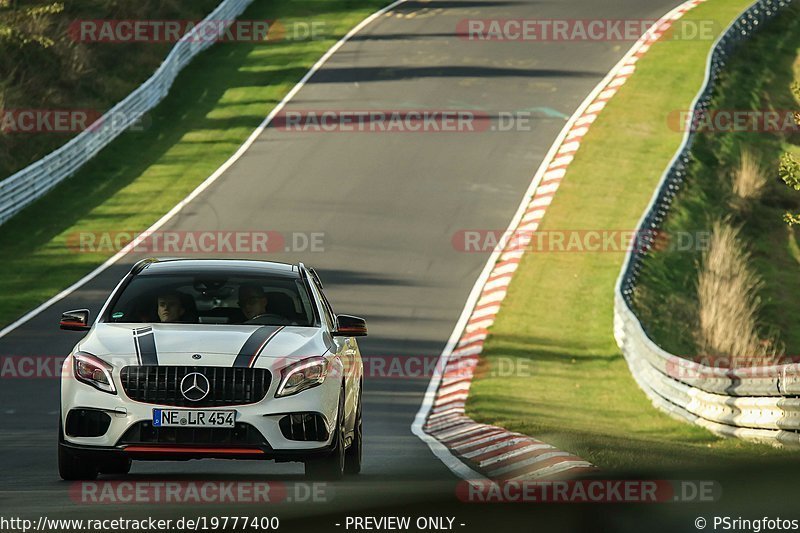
x,y
558,315
215,104
758,78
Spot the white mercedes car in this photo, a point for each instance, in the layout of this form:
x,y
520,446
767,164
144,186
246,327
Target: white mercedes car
x,y
193,359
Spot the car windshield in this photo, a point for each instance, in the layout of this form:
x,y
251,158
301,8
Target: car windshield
x,y
183,299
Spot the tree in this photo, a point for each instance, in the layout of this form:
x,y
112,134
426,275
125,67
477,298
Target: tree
x,y
789,169
22,27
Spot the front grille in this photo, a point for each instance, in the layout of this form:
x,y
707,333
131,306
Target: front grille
x,y
304,427
160,385
146,433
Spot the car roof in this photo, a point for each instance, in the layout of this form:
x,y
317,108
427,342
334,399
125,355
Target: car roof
x,y
227,267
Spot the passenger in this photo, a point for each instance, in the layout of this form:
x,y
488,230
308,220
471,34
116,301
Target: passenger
x,y
170,307
252,300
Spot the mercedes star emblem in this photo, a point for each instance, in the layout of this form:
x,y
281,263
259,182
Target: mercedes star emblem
x,y
195,387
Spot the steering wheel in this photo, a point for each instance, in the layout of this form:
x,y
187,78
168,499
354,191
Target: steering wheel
x,y
271,318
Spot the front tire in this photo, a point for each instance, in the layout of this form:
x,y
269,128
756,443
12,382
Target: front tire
x,y
331,466
73,467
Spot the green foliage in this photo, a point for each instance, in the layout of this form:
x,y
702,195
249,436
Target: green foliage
x,y
791,220
789,169
29,26
756,78
43,67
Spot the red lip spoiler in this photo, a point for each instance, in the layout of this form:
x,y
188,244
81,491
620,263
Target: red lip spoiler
x,y
179,450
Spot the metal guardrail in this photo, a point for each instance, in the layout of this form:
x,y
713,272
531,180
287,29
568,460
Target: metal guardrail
x,y
32,182
759,404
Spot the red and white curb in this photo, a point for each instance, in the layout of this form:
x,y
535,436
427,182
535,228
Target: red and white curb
x,y
474,450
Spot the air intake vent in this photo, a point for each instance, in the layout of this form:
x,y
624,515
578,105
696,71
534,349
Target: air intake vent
x,y
87,423
304,427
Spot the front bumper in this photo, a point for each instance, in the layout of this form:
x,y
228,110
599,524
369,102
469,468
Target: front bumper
x,y
264,417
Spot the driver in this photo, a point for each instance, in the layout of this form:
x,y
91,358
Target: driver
x,y
252,300
170,307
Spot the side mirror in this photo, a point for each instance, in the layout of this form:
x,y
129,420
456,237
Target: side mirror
x,y
77,320
350,326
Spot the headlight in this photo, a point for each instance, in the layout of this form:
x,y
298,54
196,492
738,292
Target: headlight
x,y
93,371
302,376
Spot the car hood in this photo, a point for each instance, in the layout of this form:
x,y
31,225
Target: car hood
x,y
216,345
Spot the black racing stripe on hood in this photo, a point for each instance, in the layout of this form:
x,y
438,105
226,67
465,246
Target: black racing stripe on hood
x,y
254,345
145,341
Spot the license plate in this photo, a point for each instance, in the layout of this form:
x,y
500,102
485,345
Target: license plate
x,y
163,418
